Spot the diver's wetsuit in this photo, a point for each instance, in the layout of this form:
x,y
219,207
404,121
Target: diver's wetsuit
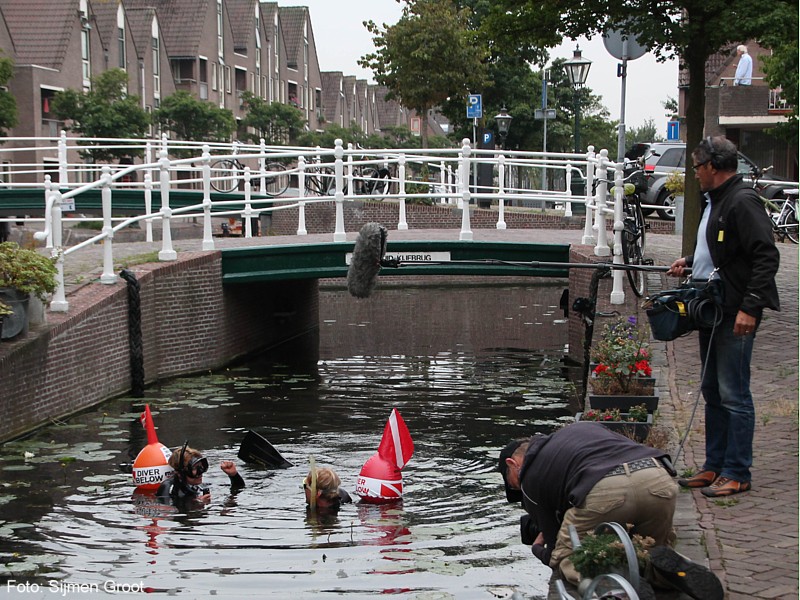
x,y
175,488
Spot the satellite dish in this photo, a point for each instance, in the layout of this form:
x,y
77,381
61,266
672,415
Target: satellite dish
x,y
614,41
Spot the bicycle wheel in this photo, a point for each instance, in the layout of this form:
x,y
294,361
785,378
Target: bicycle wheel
x,y
788,224
225,175
379,182
319,181
641,224
277,180
633,248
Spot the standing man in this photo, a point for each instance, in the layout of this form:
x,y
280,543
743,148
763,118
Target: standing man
x,y
744,70
735,244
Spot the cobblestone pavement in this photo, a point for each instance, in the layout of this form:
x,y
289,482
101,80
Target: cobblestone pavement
x,y
749,540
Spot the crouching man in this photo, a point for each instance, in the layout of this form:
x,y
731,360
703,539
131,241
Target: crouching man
x,y
584,475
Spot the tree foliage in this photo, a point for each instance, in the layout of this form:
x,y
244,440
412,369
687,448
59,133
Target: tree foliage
x,y
428,56
8,105
690,30
105,111
277,123
192,119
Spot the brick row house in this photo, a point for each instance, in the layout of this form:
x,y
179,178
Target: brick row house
x,y
744,113
213,49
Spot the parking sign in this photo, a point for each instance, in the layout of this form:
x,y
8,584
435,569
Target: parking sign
x,y
474,106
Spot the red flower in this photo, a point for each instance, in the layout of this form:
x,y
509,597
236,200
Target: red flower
x,y
600,368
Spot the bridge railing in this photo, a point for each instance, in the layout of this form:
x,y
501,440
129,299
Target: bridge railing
x,y
434,175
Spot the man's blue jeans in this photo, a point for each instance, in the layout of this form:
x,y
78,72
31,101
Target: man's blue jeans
x,y
730,417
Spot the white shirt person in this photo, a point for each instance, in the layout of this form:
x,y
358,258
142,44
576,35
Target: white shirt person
x,y
744,70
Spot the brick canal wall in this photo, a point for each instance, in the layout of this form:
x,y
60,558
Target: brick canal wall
x,y
189,324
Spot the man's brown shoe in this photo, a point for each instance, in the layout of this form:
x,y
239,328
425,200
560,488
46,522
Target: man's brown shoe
x,y
725,487
702,479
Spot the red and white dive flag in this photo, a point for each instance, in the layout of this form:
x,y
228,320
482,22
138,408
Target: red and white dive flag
x,y
380,479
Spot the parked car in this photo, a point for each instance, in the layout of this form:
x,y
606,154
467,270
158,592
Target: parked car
x,y
662,158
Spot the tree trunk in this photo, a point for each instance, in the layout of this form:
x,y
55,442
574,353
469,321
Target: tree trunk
x,y
696,57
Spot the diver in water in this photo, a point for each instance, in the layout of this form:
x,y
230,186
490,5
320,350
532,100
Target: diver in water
x,y
186,483
322,485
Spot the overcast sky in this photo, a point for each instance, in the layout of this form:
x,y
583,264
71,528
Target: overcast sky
x,y
342,39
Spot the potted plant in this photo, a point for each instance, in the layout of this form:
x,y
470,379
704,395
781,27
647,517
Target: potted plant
x,y
621,375
674,183
634,422
22,273
603,553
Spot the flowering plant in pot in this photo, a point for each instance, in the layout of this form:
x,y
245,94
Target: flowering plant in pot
x,y
621,359
636,414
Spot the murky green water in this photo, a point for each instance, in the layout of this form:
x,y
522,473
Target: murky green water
x,y
467,368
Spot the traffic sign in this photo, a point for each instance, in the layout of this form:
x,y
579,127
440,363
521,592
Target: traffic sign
x,y
673,130
474,106
546,113
488,137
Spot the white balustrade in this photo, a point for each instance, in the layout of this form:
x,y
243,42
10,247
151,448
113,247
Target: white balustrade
x,y
452,187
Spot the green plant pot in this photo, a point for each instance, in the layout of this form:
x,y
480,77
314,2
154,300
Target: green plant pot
x,y
636,431
623,403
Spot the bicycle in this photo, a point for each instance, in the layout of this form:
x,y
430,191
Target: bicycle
x,y
634,232
784,217
367,181
782,212
227,174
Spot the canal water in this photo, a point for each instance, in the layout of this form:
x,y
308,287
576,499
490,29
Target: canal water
x,y
467,367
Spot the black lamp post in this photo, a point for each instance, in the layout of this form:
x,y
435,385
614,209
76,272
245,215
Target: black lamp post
x,y
503,121
578,71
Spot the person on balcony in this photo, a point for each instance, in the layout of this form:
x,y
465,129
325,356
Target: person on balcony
x,y
744,70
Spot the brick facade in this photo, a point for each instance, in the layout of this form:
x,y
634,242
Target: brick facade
x,y
190,323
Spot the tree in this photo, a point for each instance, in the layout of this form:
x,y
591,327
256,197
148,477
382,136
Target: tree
x,y
277,123
781,70
693,31
8,105
105,111
648,132
429,55
195,120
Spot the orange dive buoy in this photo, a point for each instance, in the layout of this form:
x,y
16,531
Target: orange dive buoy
x,y
151,466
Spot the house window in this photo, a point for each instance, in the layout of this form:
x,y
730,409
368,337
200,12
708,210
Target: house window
x,y
214,76
203,79
227,79
220,39
156,68
86,58
121,42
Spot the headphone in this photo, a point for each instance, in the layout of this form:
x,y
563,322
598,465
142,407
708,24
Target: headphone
x,y
714,160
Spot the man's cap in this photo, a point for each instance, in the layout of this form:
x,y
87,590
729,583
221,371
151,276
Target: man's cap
x,y
512,495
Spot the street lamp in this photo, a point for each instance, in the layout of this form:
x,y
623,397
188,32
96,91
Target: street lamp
x,y
503,121
577,70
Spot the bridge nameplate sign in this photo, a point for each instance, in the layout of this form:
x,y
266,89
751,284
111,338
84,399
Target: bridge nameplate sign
x,y
410,257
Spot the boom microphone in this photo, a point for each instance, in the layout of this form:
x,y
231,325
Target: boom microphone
x,y
362,274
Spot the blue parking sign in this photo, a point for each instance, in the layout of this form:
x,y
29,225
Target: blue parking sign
x,y
474,106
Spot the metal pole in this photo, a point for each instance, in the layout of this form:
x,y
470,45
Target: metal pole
x,y
623,72
544,136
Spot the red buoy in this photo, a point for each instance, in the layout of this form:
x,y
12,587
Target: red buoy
x,y
380,480
151,466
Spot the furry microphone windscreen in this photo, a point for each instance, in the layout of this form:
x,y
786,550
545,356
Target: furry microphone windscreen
x,y
362,275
